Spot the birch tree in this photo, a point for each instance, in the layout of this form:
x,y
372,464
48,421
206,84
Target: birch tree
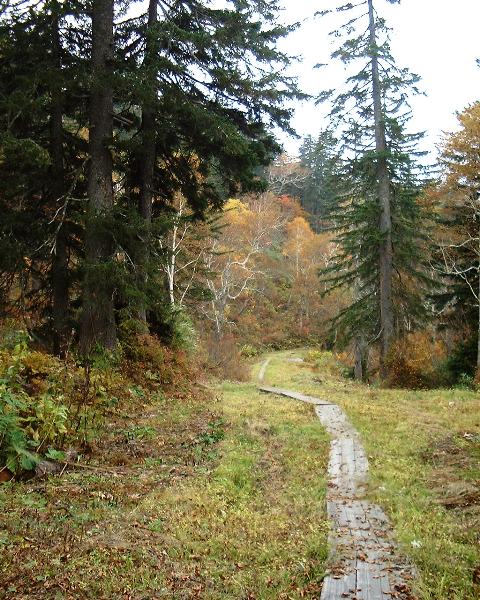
x,y
231,260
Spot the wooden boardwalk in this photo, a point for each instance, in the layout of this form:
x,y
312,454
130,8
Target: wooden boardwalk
x,y
365,563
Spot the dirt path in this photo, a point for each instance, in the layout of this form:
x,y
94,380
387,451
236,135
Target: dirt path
x,y
365,564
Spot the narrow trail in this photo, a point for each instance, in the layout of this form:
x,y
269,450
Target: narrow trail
x,y
365,563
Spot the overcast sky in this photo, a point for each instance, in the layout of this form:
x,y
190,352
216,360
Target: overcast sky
x,y
437,39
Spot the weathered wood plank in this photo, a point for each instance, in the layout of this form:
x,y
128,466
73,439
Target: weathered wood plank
x,y
340,586
294,395
367,564
372,583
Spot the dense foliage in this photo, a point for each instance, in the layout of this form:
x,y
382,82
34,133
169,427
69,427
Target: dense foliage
x,y
107,116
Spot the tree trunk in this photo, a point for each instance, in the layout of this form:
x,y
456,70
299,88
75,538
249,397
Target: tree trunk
x,y
59,268
361,358
98,321
384,199
478,325
146,163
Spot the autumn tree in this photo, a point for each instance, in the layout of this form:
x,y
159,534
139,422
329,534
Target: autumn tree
x,y
457,201
286,176
247,231
184,249
305,252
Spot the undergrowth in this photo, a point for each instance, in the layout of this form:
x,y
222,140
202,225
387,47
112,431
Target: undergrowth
x,y
48,405
182,493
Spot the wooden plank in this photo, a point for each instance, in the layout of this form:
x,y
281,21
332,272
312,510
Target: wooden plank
x,y
263,368
294,395
359,531
372,582
335,587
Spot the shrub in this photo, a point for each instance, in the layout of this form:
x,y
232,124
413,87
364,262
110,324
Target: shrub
x,y
32,413
249,351
462,360
184,335
314,355
224,359
416,361
15,447
324,360
466,381
150,364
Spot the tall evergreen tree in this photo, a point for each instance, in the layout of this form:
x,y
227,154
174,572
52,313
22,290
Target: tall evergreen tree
x,y
107,116
204,83
378,220
98,320
39,170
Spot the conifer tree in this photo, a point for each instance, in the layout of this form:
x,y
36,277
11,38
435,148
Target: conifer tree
x,y
38,173
320,157
378,220
98,320
106,116
206,97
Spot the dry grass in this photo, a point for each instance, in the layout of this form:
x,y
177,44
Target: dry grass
x,y
193,497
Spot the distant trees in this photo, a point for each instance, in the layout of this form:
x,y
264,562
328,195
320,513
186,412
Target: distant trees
x,y
320,158
306,252
378,222
261,270
248,229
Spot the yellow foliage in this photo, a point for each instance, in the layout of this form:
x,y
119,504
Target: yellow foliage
x,y
414,361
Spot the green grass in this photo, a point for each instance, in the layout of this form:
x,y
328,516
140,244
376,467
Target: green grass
x,y
254,524
224,497
424,452
205,498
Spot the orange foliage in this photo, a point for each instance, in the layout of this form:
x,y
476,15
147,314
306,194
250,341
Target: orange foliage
x,y
414,361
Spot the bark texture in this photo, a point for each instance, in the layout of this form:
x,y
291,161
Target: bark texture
x,y
147,155
361,358
384,199
98,321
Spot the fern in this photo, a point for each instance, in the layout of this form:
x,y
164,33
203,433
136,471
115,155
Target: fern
x,y
15,446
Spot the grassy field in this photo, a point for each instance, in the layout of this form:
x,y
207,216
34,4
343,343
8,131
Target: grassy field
x,y
424,452
222,495
193,498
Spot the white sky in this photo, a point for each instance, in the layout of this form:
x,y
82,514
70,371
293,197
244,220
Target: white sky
x,y
437,39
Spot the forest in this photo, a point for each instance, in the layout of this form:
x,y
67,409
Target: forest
x,y
177,290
